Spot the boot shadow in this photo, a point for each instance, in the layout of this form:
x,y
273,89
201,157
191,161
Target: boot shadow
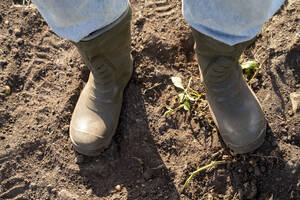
x,y
250,175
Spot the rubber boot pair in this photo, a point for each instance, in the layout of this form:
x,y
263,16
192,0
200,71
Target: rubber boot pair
x,y
235,108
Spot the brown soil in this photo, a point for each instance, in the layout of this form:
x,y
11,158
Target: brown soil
x,y
151,156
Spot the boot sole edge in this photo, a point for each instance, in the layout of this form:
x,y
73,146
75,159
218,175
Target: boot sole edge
x,y
92,153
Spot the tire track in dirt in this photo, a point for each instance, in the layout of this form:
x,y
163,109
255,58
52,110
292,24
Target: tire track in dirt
x,y
162,8
13,182
13,188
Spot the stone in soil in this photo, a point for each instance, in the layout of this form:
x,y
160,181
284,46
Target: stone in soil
x,y
66,195
295,100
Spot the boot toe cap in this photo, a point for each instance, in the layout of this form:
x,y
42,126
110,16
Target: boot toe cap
x,y
246,140
89,142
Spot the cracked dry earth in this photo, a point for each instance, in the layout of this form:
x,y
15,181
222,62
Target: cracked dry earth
x,y
151,156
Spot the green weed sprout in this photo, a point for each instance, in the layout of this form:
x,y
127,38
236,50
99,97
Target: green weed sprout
x,y
184,98
250,68
194,173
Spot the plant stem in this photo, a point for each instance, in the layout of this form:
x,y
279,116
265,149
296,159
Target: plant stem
x,y
213,163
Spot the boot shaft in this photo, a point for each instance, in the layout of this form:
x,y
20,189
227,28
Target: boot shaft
x,y
208,50
108,55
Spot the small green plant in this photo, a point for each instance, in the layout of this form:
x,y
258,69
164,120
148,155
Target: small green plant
x,y
184,98
250,68
209,166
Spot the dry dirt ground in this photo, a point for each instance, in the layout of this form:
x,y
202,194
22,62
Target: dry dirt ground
x,y
151,156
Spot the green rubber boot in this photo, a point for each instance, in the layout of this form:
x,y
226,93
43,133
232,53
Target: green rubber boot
x,y
234,107
95,118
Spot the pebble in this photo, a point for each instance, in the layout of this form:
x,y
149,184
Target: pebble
x,y
252,162
118,187
89,192
295,100
65,195
5,90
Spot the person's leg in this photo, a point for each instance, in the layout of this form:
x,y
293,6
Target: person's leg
x,y
76,19
230,21
222,30
101,32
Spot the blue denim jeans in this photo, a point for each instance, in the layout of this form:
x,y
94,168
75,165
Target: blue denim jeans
x,y
229,21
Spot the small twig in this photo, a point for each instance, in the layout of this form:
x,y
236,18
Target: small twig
x,y
152,87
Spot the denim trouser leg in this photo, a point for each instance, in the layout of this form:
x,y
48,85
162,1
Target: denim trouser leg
x,y
75,19
230,21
